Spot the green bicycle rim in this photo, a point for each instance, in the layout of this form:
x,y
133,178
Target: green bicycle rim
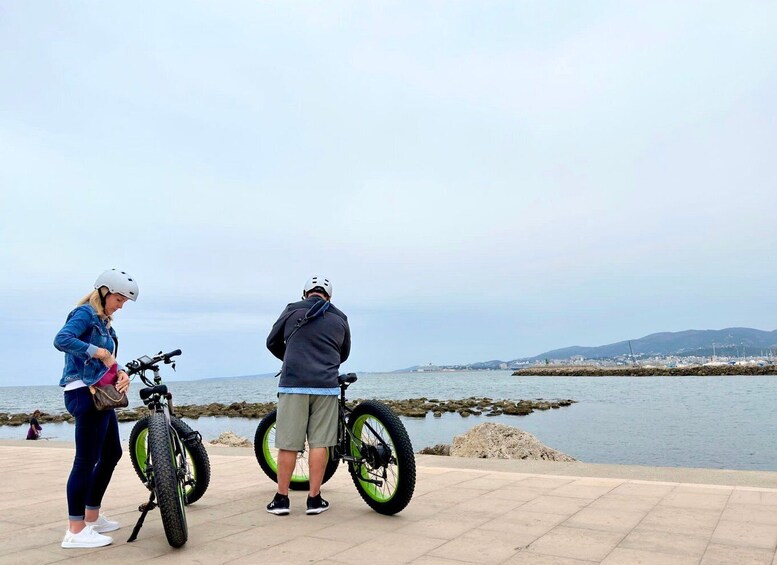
x,y
373,491
141,456
271,456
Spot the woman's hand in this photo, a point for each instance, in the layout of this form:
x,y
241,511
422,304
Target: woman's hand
x,y
122,385
106,357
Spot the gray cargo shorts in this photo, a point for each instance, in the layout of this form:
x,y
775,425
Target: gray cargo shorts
x,y
305,415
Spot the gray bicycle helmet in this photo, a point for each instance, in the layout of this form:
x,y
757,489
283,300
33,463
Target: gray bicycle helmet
x,y
318,282
118,282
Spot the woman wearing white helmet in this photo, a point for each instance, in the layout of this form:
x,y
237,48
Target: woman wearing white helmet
x,y
89,343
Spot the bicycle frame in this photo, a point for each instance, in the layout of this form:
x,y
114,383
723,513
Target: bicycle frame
x,y
161,401
378,457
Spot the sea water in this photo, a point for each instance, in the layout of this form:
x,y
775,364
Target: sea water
x,y
713,422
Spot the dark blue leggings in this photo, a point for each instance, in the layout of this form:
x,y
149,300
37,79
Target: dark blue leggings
x,y
98,449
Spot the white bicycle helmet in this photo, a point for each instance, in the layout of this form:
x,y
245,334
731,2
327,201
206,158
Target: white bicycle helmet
x,y
118,282
318,282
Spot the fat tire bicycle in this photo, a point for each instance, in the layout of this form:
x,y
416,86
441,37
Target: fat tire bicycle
x,y
167,455
371,439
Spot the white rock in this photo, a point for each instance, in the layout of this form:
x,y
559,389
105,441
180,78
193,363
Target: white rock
x,y
498,441
229,439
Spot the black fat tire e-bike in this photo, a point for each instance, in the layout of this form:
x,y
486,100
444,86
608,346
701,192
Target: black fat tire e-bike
x,y
166,453
370,438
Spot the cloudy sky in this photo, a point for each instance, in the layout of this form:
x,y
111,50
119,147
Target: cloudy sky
x,y
481,180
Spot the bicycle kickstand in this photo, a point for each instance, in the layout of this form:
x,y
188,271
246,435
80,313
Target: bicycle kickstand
x,y
143,509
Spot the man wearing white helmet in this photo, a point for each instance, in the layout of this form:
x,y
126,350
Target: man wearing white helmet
x,y
312,338
90,345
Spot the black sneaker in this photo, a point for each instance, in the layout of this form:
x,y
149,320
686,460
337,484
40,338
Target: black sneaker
x,y
316,505
279,505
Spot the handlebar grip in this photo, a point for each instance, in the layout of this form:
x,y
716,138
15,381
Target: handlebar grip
x,y
172,353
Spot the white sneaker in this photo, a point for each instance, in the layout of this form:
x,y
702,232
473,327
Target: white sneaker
x,y
103,525
85,538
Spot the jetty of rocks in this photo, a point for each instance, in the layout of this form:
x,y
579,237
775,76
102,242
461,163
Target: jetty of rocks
x,y
413,407
637,371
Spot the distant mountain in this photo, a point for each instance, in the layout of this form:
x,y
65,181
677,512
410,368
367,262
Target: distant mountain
x,y
731,342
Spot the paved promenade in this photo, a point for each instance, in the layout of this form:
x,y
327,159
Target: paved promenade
x,y
464,511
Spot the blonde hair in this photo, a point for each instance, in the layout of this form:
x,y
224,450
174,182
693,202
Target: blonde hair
x,y
93,299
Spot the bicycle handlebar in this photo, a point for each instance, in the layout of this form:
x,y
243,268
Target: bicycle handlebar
x,y
145,362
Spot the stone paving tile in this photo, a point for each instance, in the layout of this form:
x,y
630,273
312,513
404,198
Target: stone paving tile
x,y
31,557
642,488
745,495
389,548
442,527
756,513
701,522
703,489
300,549
482,546
128,553
717,554
556,504
605,519
354,536
486,505
446,480
489,483
518,492
746,534
710,501
8,527
623,556
531,558
624,502
426,506
665,542
579,489
429,560
547,483
534,523
217,551
577,543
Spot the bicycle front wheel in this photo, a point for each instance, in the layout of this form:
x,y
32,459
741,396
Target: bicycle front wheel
x,y
267,456
384,466
197,462
165,449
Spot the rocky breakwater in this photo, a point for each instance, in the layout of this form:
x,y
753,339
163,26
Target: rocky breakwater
x,y
255,410
498,441
412,408
7,419
690,371
473,406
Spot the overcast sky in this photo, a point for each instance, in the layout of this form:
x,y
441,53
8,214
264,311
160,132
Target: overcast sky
x,y
480,180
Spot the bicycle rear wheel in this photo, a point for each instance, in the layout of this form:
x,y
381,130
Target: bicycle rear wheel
x,y
165,451
197,462
267,456
384,470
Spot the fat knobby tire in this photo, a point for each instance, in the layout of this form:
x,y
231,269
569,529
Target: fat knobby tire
x,y
169,491
401,470
264,455
196,453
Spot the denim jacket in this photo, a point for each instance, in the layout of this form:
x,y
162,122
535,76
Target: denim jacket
x,y
79,339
